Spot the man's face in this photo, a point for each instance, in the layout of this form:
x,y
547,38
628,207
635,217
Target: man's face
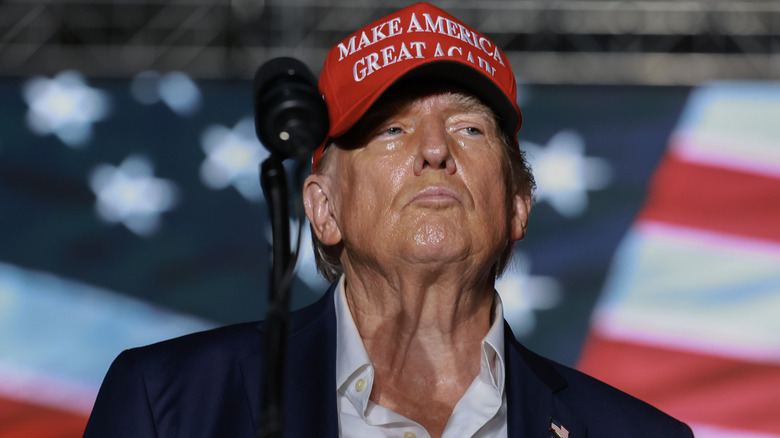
x,y
425,185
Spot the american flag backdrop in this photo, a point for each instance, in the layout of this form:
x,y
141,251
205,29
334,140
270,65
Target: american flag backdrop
x,y
131,213
688,318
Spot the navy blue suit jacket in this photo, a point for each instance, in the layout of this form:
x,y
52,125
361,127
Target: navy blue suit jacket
x,y
208,384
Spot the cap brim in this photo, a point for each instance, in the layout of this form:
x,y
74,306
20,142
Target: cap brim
x,y
477,84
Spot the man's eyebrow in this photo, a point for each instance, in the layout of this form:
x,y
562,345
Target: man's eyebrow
x,y
382,113
473,104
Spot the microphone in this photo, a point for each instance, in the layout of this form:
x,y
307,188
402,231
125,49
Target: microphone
x,y
290,115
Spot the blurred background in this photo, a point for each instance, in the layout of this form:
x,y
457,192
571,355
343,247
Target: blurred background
x,y
131,212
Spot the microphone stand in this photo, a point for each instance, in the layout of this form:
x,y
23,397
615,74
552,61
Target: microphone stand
x,y
273,179
291,120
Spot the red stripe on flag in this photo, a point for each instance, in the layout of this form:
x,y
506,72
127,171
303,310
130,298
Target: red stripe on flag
x,y
25,420
695,388
715,199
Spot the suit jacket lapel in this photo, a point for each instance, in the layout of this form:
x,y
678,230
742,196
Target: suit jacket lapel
x,y
532,404
309,407
310,386
252,368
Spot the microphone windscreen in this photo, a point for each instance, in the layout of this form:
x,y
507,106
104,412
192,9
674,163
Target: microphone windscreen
x,y
290,116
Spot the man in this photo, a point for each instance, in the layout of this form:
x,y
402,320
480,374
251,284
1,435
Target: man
x,y
415,202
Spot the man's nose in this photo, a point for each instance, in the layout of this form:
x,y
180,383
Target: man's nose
x,y
435,151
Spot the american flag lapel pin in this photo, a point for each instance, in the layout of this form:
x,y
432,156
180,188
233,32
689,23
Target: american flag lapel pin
x,y
558,428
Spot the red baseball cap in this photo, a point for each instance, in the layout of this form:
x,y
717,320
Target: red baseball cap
x,y
420,40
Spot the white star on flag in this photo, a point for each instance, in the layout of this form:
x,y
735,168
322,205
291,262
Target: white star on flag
x,y
176,89
522,294
64,106
232,157
564,174
131,195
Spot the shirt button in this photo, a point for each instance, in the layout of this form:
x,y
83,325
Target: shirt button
x,y
361,385
409,435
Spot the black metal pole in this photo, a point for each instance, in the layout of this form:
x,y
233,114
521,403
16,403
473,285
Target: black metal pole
x,y
273,179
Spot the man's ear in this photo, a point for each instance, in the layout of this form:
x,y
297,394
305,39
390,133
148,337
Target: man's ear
x,y
521,206
319,209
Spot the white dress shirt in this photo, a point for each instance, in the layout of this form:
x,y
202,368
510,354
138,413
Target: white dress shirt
x,y
481,412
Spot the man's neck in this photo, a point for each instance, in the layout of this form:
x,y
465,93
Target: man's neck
x,y
424,339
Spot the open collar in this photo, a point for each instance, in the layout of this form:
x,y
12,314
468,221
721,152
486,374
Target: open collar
x,y
310,383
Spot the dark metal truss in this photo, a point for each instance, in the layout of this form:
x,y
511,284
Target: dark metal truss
x,y
567,41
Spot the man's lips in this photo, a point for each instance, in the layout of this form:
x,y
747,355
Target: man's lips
x,y
436,195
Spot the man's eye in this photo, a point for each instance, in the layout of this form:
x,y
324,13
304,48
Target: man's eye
x,y
393,130
472,131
